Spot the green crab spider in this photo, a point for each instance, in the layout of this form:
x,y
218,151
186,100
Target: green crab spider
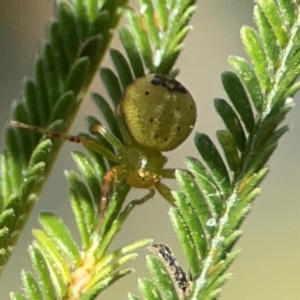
x,y
156,114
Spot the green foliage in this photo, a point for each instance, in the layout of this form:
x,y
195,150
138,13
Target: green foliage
x,y
156,34
64,269
214,196
68,62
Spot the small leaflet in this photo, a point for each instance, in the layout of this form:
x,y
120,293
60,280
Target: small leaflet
x,y
173,267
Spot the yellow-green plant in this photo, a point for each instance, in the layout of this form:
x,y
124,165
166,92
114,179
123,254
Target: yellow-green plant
x,y
213,199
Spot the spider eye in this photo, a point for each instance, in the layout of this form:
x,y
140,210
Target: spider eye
x,y
159,112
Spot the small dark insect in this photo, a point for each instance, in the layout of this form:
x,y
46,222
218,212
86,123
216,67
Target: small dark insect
x,y
156,114
173,267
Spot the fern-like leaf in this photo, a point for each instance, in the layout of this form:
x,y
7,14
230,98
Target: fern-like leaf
x,y
65,269
158,31
82,272
216,197
77,42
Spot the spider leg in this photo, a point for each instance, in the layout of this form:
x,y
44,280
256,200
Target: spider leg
x,y
168,173
145,198
165,191
111,138
107,182
89,143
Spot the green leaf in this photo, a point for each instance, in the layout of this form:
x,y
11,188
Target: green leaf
x,y
122,67
6,185
237,214
102,273
158,42
213,159
63,105
80,191
197,227
92,292
268,38
186,241
40,153
76,77
287,10
14,161
165,283
61,61
17,296
52,87
56,246
257,55
113,212
149,289
112,85
141,36
239,98
99,23
209,188
63,73
163,13
86,168
70,38
83,226
270,123
6,220
148,12
195,196
229,148
133,297
132,52
215,280
40,266
231,240
82,19
61,236
56,262
108,114
4,234
264,82
113,257
249,79
266,150
232,123
272,13
32,288
43,105
250,183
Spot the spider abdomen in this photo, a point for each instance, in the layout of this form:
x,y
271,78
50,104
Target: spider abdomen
x,y
158,112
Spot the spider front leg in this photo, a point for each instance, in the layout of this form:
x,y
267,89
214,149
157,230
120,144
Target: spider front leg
x,y
111,175
108,180
163,189
166,192
94,145
89,143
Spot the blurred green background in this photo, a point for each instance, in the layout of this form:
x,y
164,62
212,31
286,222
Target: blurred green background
x,y
269,265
